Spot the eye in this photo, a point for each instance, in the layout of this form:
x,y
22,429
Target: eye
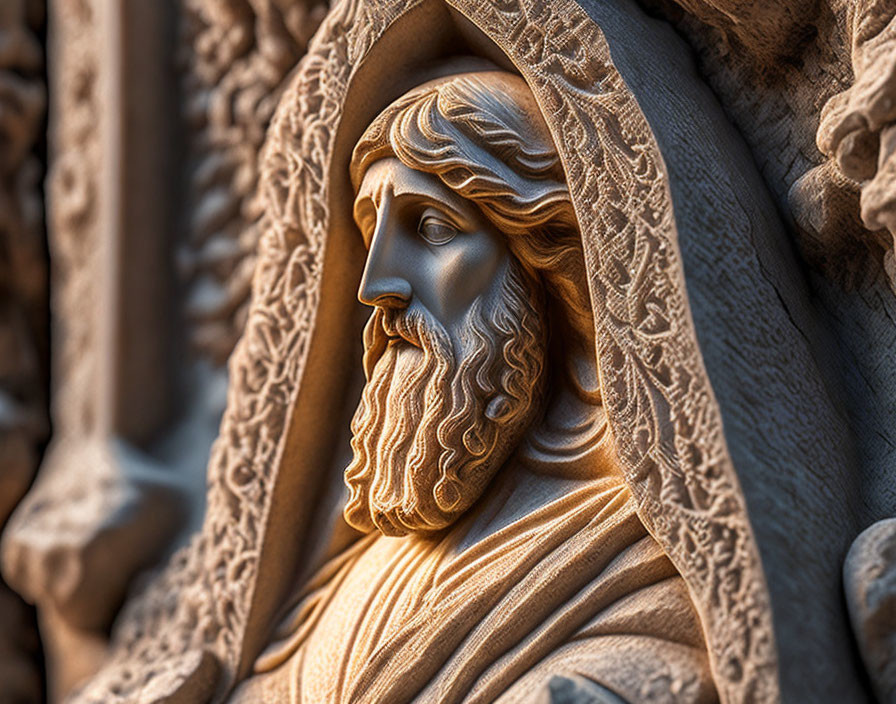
x,y
435,230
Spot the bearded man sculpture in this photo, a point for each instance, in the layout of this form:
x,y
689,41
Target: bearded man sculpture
x,y
502,557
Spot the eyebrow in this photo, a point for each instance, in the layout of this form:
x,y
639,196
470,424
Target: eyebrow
x,y
443,204
437,192
444,196
365,209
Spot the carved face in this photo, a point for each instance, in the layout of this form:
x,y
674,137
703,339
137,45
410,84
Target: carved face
x,y
464,208
425,243
454,353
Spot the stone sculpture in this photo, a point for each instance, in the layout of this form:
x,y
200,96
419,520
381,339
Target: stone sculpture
x,y
621,426
482,390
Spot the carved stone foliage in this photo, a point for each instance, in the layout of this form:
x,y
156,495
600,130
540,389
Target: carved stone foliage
x,y
236,55
857,124
184,638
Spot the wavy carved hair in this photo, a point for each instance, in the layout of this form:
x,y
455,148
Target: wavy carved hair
x,y
484,136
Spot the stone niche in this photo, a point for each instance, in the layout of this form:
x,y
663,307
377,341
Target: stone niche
x,y
558,341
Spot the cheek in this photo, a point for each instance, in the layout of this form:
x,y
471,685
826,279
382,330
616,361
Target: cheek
x,y
467,269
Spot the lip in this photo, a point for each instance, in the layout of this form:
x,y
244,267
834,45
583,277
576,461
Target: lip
x,y
396,339
392,331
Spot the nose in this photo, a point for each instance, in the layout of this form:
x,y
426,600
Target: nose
x,y
386,292
383,283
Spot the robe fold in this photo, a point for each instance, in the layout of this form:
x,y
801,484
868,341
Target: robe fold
x,y
549,585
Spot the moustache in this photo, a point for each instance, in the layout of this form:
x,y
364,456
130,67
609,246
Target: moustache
x,y
411,326
400,325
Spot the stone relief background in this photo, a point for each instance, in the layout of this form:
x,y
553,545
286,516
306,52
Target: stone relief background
x,y
113,351
212,70
23,311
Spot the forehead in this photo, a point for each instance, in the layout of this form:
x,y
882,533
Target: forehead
x,y
390,176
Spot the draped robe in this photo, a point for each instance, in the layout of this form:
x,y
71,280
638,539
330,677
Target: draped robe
x,y
550,584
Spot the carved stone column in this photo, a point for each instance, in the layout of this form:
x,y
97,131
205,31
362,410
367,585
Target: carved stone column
x,y
102,508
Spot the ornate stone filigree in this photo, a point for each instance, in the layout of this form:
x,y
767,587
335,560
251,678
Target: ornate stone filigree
x,y
236,56
189,626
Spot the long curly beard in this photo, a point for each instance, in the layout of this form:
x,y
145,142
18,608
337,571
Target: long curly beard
x,y
435,424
